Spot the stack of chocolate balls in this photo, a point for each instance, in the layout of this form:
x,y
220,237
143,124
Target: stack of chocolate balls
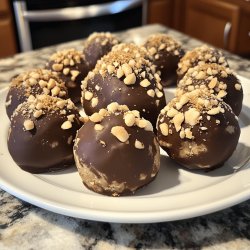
x,y
199,128
119,86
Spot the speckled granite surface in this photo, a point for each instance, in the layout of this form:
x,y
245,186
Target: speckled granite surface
x,y
24,226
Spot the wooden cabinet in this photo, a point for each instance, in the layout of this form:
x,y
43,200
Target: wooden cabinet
x,y
222,23
7,35
161,11
215,22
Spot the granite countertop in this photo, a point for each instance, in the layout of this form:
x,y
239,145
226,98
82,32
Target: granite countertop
x,y
24,226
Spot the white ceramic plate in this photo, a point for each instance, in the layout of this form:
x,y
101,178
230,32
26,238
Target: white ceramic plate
x,y
175,194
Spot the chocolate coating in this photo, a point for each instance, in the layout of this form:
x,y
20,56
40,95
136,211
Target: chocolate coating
x,y
97,45
200,55
203,140
47,146
111,167
71,66
108,83
219,80
165,52
33,82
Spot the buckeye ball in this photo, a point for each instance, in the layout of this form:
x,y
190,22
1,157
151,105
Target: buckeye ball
x,y
116,151
218,80
198,131
165,52
33,82
125,78
71,66
200,55
97,45
41,134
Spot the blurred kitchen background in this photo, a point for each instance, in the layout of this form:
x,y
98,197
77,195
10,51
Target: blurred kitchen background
x,y
31,24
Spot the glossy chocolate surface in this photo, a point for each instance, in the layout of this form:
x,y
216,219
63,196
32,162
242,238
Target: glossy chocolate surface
x,y
102,152
45,148
210,148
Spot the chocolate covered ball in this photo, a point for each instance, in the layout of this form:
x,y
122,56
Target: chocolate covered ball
x,y
200,55
41,134
71,66
116,151
125,78
165,52
198,131
33,82
218,80
97,45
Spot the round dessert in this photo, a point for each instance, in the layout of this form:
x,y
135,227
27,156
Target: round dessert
x,y
116,151
127,79
97,45
198,131
71,67
41,134
219,80
165,52
200,55
33,82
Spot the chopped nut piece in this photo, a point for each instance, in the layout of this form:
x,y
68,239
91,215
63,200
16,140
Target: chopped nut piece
x,y
178,120
74,74
130,79
222,94
98,127
129,119
111,69
237,86
28,125
139,144
112,107
71,117
172,112
37,113
66,71
94,102
88,95
212,83
120,133
119,73
60,104
55,91
192,116
200,75
145,83
57,67
214,111
151,93
66,125
96,117
51,84
126,69
164,128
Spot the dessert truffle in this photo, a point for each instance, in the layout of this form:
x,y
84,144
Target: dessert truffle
x,y
219,80
127,149
127,79
71,67
200,55
97,45
165,52
41,134
33,82
198,131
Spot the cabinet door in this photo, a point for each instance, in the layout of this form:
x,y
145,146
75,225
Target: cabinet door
x,y
161,11
214,22
7,36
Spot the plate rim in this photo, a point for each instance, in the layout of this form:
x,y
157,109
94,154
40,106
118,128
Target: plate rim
x,y
119,216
